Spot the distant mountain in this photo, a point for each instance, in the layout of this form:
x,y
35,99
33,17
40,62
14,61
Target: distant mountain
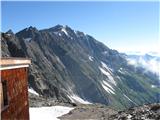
x,y
68,65
156,54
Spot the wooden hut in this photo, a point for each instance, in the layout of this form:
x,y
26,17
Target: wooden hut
x,y
14,88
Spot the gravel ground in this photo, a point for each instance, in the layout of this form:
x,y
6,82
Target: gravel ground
x,y
89,112
99,112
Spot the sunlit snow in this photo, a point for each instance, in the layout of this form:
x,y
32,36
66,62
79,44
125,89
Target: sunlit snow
x,y
153,86
108,75
90,58
107,84
27,39
121,71
59,34
108,89
74,98
33,91
128,98
64,30
48,113
8,34
106,67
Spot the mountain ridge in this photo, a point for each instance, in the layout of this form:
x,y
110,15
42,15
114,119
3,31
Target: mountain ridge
x,y
68,64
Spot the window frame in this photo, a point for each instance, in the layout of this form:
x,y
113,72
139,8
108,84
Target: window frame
x,y
4,95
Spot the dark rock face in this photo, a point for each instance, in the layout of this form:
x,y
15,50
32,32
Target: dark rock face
x,y
66,63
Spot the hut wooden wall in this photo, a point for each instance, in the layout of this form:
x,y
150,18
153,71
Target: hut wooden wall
x,y
17,87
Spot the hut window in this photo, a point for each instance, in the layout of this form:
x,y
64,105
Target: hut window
x,y
4,93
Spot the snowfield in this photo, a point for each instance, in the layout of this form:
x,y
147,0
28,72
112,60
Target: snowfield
x,y
48,113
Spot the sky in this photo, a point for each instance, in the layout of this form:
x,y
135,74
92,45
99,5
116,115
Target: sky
x,y
124,26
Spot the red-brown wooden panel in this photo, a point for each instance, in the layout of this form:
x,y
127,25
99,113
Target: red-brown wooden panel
x,y
17,84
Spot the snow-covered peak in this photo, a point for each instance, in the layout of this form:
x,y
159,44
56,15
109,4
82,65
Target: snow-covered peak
x,y
31,28
9,32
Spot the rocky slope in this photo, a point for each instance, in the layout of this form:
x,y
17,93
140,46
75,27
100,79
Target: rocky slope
x,y
71,66
145,112
100,112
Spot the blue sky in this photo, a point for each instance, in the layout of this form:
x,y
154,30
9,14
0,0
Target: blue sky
x,y
125,26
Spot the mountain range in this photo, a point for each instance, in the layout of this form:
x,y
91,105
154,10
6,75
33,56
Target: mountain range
x,y
71,66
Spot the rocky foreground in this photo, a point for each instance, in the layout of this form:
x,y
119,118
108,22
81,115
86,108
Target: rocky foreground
x,y
89,112
100,112
145,112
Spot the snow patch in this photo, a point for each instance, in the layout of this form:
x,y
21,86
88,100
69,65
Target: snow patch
x,y
128,98
27,39
108,89
8,34
105,52
59,34
121,71
107,84
108,75
64,30
90,58
106,67
74,98
60,62
153,86
33,91
48,113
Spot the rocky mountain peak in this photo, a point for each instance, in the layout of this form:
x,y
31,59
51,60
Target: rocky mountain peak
x,y
27,33
79,33
56,28
31,28
9,32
